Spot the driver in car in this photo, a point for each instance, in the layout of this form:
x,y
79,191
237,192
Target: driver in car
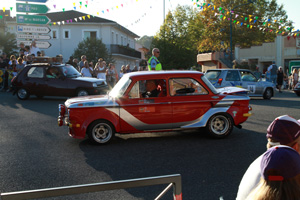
x,y
151,89
51,73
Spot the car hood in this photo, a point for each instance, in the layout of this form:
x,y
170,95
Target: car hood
x,y
90,101
232,90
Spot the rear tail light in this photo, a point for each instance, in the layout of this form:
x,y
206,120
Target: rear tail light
x,y
220,81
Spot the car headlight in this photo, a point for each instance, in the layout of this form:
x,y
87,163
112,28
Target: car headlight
x,y
94,84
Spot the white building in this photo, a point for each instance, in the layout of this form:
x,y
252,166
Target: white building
x,y
71,27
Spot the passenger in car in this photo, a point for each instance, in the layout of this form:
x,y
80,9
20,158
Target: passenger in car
x,y
50,73
151,89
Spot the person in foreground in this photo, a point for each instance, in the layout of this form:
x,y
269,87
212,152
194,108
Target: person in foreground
x,y
280,172
284,130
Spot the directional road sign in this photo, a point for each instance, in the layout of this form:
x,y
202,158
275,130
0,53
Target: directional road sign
x,y
32,19
33,29
39,44
34,37
32,8
36,1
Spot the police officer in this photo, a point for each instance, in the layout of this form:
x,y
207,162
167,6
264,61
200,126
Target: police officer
x,y
153,63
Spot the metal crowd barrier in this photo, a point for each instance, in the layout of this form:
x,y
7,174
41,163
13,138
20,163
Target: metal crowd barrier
x,y
173,180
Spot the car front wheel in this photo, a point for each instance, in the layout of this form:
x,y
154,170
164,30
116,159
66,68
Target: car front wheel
x,y
219,125
101,132
268,93
82,93
23,94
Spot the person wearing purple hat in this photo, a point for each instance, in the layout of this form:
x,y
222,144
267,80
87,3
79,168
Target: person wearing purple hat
x,y
284,130
280,175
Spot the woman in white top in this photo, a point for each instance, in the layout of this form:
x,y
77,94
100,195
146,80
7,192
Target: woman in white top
x,y
86,71
100,69
122,71
295,77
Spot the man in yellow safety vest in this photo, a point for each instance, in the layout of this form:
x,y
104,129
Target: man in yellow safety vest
x,y
153,63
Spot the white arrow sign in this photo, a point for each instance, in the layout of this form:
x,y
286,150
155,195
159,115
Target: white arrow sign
x,y
33,29
39,44
34,37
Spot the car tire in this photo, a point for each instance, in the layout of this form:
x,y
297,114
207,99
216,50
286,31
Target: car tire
x,y
268,93
82,92
23,94
219,125
101,132
298,94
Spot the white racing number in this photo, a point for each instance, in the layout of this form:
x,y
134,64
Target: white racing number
x,y
251,88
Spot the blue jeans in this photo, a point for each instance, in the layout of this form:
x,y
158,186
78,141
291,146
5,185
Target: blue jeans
x,y
273,79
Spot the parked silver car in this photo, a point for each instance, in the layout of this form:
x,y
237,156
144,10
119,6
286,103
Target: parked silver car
x,y
241,78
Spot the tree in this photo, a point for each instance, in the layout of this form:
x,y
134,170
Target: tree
x,y
177,38
145,41
253,23
93,49
8,43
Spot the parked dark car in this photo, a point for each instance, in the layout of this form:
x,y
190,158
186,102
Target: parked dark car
x,y
44,79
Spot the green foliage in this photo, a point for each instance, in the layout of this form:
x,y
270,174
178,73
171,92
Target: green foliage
x,y
145,41
217,23
177,39
93,49
8,43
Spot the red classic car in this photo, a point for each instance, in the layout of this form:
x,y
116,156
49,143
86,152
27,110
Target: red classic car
x,y
155,101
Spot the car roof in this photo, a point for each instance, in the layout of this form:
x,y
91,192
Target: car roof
x,y
163,72
227,69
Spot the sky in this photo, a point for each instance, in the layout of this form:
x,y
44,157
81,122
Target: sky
x,y
143,17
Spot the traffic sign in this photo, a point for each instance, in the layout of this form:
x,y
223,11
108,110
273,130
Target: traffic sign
x,y
32,19
36,1
32,8
33,29
34,37
39,44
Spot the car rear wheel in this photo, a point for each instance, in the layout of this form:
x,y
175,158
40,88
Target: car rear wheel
x,y
82,93
268,93
219,125
23,94
101,132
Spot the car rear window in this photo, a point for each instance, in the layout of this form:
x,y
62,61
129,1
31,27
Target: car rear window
x,y
212,75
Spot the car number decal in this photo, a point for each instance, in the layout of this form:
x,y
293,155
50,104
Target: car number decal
x,y
147,109
251,88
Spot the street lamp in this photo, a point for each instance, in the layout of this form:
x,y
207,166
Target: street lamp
x,y
249,1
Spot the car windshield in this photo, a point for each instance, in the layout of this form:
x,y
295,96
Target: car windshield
x,y
120,87
208,83
212,75
69,71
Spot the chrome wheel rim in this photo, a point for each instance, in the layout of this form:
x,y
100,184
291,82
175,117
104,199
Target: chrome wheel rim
x,y
102,133
219,125
83,93
22,93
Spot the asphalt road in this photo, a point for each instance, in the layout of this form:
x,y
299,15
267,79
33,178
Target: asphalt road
x,y
35,153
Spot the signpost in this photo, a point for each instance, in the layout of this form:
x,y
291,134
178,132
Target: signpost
x,y
36,1
39,44
33,29
34,37
32,8
32,19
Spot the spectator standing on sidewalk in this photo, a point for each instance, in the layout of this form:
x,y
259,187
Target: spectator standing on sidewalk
x,y
295,77
273,72
81,63
87,71
284,130
33,48
122,71
280,172
280,77
111,75
153,62
20,65
100,69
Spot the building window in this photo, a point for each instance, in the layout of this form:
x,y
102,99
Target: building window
x,y
67,34
54,34
117,38
89,34
122,40
112,37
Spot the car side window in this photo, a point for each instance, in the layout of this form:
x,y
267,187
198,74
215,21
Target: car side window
x,y
248,76
232,75
36,72
186,86
148,88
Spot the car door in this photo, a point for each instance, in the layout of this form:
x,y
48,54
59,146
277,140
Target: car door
x,y
54,84
190,101
251,83
138,113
